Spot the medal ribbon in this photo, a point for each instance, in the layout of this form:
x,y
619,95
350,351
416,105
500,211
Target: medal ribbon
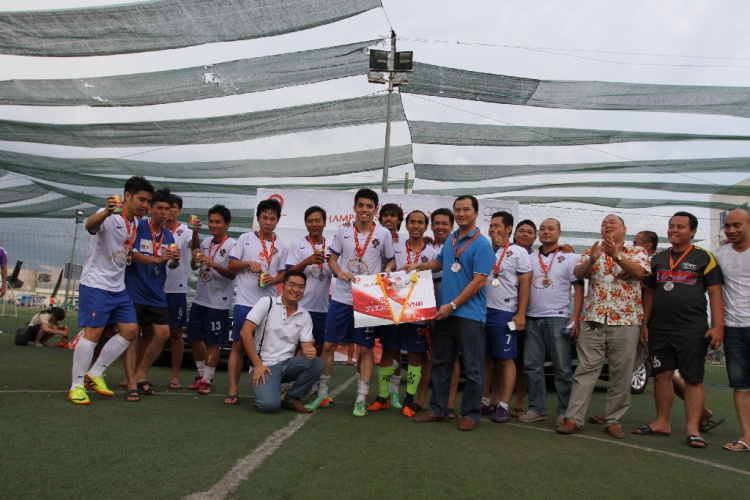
x,y
360,252
673,264
131,235
315,250
459,252
611,261
545,269
269,256
177,224
153,239
408,253
414,278
496,269
211,245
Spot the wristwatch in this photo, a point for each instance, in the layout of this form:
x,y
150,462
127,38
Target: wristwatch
x,y
454,306
618,257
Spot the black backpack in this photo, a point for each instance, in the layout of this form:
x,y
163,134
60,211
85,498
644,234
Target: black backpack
x,y
23,335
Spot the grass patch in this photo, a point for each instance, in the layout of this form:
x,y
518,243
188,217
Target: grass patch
x,y
179,443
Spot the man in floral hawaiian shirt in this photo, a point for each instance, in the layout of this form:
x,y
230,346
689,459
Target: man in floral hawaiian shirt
x,y
612,314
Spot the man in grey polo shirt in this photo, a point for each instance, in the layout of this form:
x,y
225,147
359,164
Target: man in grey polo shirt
x,y
273,329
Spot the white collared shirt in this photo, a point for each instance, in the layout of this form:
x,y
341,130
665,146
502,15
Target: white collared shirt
x,y
277,335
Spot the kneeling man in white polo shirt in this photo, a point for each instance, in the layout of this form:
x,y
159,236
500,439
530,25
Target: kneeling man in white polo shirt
x,y
273,329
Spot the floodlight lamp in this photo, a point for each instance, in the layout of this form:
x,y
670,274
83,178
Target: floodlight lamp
x,y
376,77
404,61
400,79
379,60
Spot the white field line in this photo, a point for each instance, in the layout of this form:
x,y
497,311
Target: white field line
x,y
643,448
245,466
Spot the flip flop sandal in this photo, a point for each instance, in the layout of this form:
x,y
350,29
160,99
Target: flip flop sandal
x,y
234,399
142,388
451,413
745,446
696,442
130,395
175,385
517,412
592,419
646,430
710,425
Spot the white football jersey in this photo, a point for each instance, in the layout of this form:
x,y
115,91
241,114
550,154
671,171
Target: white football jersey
x,y
104,267
217,291
318,277
249,248
177,278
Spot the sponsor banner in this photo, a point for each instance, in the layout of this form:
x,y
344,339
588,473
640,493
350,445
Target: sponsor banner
x,y
339,207
398,298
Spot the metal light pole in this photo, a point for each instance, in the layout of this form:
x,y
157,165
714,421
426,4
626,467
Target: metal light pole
x,y
381,62
79,219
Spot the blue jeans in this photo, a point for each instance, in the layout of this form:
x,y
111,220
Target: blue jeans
x,y
737,351
544,334
300,370
452,334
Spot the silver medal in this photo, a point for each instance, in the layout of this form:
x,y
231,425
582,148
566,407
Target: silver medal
x,y
668,286
496,282
609,278
456,267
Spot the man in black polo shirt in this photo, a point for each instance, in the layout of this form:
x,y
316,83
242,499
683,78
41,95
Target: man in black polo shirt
x,y
676,324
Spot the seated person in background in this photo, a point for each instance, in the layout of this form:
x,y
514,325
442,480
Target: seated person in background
x,y
46,324
270,335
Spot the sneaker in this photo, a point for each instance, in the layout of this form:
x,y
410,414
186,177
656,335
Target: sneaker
x,y
319,402
78,396
284,393
379,404
408,411
97,384
560,420
501,416
486,409
204,386
532,416
395,401
359,409
196,383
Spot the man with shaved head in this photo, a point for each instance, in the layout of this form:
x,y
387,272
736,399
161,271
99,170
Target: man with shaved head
x,y
547,315
612,317
734,259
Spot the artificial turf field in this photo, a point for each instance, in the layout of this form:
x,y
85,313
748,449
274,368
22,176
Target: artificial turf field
x,y
179,444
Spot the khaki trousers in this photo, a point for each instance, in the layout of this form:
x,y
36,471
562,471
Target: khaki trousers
x,y
596,343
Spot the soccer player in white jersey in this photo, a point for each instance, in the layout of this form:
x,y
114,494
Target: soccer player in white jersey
x,y
355,251
308,255
176,289
103,299
507,298
442,226
208,324
144,282
389,370
411,337
548,314
259,258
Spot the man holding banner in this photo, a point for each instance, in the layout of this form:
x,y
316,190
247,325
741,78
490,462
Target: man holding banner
x,y
359,249
462,312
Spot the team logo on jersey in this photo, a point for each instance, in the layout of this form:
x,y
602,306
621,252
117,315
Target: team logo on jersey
x,y
358,267
423,259
560,259
223,252
688,265
510,253
94,314
543,282
375,243
179,232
